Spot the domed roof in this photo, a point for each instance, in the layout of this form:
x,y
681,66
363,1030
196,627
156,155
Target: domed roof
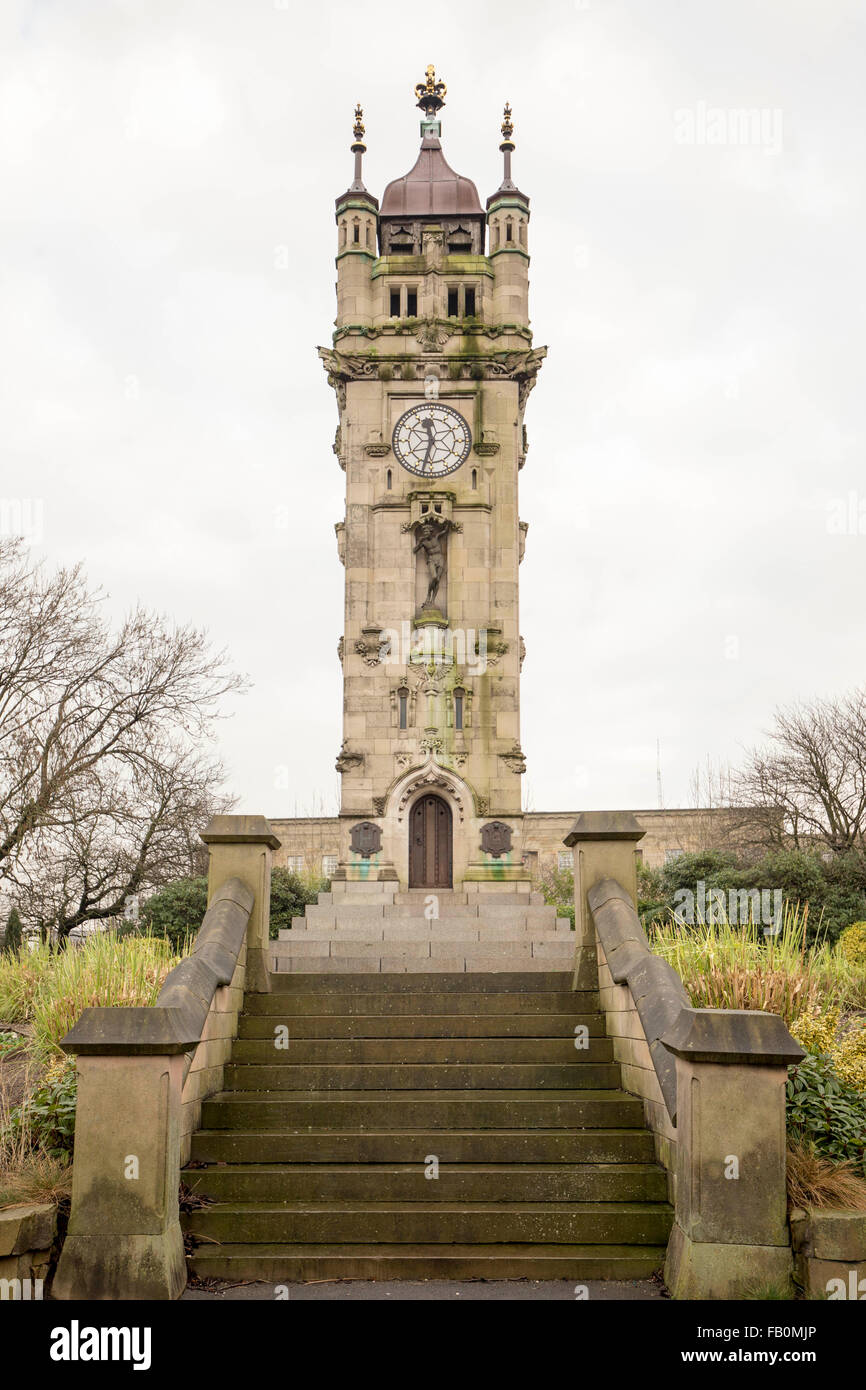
x,y
431,188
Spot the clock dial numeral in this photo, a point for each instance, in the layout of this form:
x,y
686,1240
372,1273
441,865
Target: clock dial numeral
x,y
431,440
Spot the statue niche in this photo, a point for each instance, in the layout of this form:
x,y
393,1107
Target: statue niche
x,y
431,572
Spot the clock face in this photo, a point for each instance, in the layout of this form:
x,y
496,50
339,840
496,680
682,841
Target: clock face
x,y
431,439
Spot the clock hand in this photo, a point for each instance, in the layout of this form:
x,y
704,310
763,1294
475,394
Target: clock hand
x,y
427,424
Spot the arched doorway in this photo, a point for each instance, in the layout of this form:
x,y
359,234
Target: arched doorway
x,y
430,843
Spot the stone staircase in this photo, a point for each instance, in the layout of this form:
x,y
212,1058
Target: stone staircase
x,y
362,927
320,1154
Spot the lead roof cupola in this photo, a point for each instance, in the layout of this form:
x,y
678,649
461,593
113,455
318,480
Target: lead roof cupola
x,y
432,192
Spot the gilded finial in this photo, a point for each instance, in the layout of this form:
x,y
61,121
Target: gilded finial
x,y
358,128
430,93
507,126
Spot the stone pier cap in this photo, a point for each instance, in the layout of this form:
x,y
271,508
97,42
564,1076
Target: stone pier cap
x,y
741,1037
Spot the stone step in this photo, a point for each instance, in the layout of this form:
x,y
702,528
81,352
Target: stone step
x,y
397,1051
427,1109
362,914
424,931
406,995
421,948
411,961
377,1182
421,1076
406,1146
350,939
290,1263
419,1026
505,894
592,1223
517,982
364,888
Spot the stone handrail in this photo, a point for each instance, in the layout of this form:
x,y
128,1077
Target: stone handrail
x,y
144,1073
658,992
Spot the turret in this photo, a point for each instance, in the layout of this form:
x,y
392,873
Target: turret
x,y
508,221
357,231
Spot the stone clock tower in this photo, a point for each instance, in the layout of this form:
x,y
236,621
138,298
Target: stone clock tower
x,y
432,364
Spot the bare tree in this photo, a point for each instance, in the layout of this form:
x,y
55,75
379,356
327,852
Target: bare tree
x,y
808,785
105,774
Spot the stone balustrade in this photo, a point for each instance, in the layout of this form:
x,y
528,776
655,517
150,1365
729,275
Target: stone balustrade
x,y
712,1081
143,1074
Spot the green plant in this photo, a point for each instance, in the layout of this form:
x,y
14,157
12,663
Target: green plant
x,y
104,971
852,943
826,1112
177,910
9,1043
728,966
290,893
45,1119
557,885
12,935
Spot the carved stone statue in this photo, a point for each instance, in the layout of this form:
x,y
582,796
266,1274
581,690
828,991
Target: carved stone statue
x,y
429,540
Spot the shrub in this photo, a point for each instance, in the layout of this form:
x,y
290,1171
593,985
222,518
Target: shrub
x,y
824,1111
12,935
713,867
852,943
290,894
176,911
557,885
844,1044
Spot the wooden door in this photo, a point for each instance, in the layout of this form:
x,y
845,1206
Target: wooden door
x,y
430,844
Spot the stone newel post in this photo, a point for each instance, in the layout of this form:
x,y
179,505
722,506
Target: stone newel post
x,y
731,1225
604,847
242,847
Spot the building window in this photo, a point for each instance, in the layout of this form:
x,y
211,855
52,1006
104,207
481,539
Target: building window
x,y
356,234
403,705
453,304
329,865
294,863
671,854
395,304
458,708
388,480
565,859
509,230
469,302
474,479
411,304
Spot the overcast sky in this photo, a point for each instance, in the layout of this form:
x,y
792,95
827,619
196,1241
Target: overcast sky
x,y
695,480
